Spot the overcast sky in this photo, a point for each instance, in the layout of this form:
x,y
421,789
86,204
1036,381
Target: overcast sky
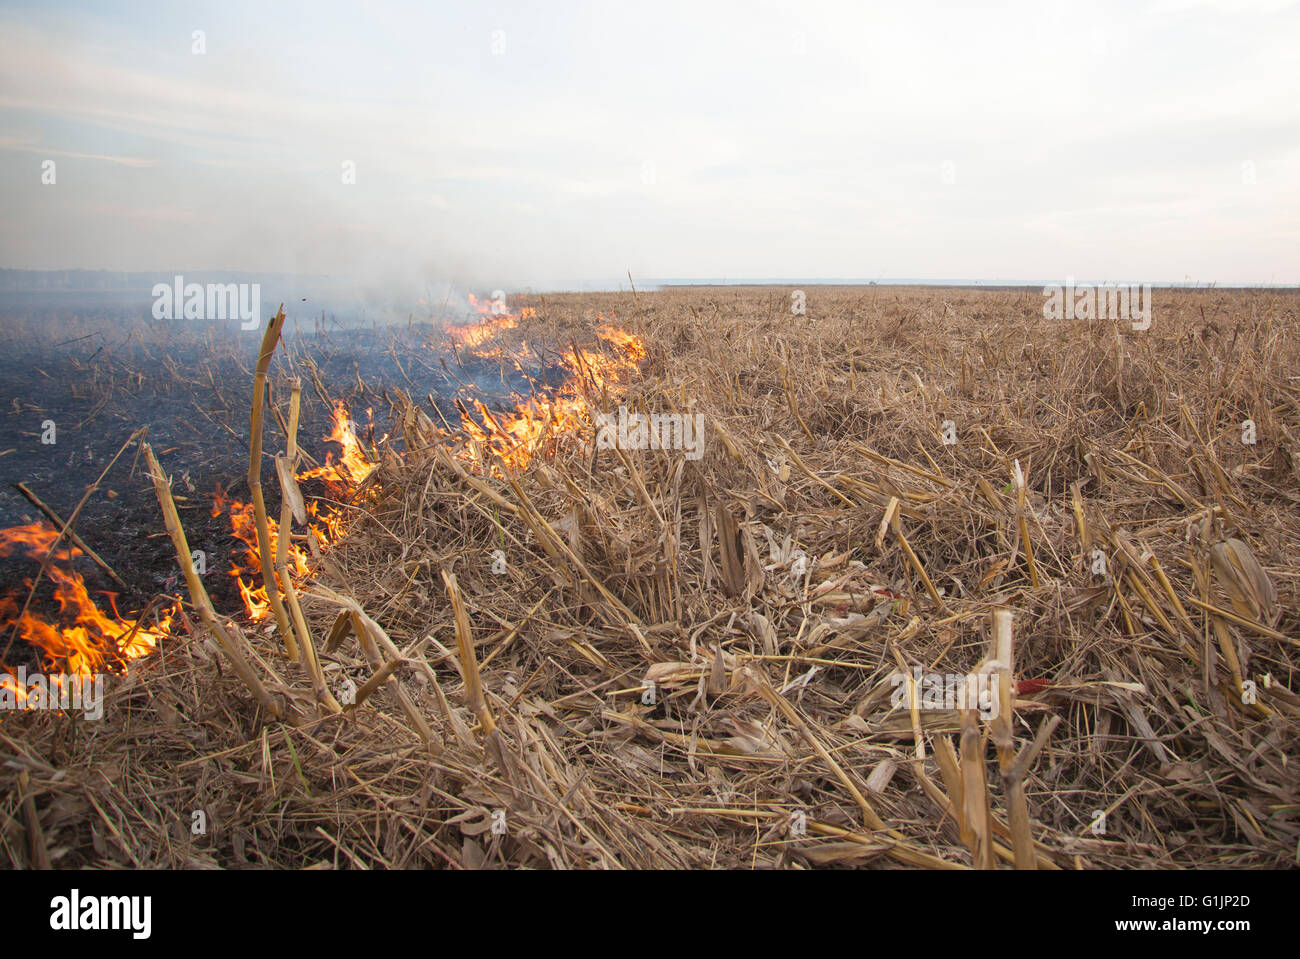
x,y
547,143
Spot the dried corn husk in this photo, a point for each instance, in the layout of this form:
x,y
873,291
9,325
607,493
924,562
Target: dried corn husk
x,y
1244,580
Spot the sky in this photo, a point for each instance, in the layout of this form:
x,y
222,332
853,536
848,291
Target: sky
x,y
546,145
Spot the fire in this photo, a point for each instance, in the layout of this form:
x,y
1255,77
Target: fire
x,y
327,525
354,466
86,640
244,528
631,345
537,423
533,427
606,369
496,320
516,437
83,639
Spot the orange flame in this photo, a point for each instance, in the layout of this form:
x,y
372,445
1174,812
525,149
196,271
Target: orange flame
x,y
243,526
83,640
341,476
536,424
497,319
534,427
353,467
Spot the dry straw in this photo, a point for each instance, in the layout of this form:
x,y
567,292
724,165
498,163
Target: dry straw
x,y
655,680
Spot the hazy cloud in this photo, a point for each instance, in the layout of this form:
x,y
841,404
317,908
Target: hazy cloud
x,y
535,146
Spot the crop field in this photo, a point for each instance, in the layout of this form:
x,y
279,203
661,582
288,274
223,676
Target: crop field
x,y
690,577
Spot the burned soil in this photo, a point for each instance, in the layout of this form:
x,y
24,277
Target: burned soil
x,y
78,382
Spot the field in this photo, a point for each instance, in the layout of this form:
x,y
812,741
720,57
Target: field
x,y
520,646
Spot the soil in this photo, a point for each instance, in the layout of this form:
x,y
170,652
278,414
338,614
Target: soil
x,y
98,374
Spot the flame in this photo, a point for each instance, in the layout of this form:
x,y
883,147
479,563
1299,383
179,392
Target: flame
x,y
496,320
534,426
83,639
537,423
243,526
354,466
327,524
